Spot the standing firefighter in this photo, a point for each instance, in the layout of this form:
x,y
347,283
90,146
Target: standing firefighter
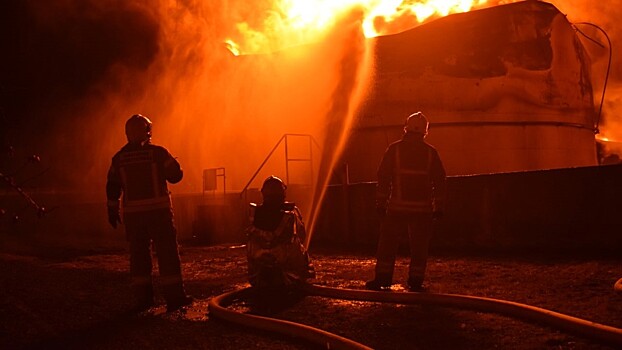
x,y
139,172
277,259
410,194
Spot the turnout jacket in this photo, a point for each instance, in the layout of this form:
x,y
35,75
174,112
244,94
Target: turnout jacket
x,y
140,173
411,177
275,252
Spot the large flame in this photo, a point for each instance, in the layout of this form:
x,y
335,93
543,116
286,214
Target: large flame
x,y
294,22
289,23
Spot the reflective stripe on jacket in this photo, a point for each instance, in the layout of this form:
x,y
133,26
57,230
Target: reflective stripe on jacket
x,y
411,177
411,190
140,173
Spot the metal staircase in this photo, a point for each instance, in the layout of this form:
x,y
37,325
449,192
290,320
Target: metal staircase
x,y
286,140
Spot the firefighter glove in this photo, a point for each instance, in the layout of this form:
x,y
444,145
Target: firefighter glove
x,y
114,216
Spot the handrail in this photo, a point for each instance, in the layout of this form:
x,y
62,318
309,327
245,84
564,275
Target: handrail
x,y
284,137
261,166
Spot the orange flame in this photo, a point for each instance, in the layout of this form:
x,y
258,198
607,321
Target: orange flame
x,y
294,22
602,138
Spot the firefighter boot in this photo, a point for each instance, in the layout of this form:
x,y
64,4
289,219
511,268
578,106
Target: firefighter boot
x,y
415,284
380,282
176,304
143,298
176,297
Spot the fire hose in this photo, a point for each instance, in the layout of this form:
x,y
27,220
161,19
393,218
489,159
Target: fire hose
x,y
596,331
218,309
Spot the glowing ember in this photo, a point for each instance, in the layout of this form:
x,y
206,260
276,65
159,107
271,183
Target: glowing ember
x,y
600,137
293,22
233,47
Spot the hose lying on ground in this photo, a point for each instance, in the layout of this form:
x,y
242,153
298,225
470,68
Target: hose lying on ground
x,y
603,333
296,330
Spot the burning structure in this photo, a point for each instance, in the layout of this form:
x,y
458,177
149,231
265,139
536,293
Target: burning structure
x,y
506,89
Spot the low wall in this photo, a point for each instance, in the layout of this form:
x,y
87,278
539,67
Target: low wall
x,y
80,222
578,208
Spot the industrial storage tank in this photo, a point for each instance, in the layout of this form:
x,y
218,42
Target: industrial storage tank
x,y
505,88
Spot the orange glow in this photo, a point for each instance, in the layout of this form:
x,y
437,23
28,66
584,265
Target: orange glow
x,y
339,28
174,62
233,47
602,138
294,22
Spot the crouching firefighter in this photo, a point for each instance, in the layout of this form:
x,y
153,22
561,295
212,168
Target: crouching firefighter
x,y
139,173
277,258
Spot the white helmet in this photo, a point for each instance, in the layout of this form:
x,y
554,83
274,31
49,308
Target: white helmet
x,y
417,123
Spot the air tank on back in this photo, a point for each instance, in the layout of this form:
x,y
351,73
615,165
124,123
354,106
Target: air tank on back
x,y
505,88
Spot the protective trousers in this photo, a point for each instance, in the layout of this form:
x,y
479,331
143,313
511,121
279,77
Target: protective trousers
x,y
419,228
158,226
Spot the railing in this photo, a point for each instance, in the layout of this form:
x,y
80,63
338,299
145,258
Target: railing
x,y
210,180
284,139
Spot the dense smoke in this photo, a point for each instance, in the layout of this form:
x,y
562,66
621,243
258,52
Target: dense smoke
x,y
606,17
73,71
91,64
609,114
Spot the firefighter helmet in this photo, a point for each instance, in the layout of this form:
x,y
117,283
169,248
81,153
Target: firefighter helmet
x,y
417,123
138,128
273,189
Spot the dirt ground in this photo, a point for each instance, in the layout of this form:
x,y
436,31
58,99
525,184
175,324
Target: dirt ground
x,y
78,300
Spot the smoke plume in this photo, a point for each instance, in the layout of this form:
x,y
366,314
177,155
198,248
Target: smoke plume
x,y
72,72
80,68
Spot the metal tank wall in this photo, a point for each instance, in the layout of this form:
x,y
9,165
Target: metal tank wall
x,y
505,89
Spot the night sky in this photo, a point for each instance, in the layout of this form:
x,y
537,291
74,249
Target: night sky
x,y
61,61
53,57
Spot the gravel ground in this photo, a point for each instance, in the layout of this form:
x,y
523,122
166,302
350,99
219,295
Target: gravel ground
x,y
75,300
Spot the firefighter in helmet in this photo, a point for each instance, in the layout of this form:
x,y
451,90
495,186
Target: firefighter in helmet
x,y
138,177
409,196
277,259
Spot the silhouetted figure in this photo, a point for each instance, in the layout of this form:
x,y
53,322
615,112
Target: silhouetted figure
x,y
139,173
277,259
410,195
